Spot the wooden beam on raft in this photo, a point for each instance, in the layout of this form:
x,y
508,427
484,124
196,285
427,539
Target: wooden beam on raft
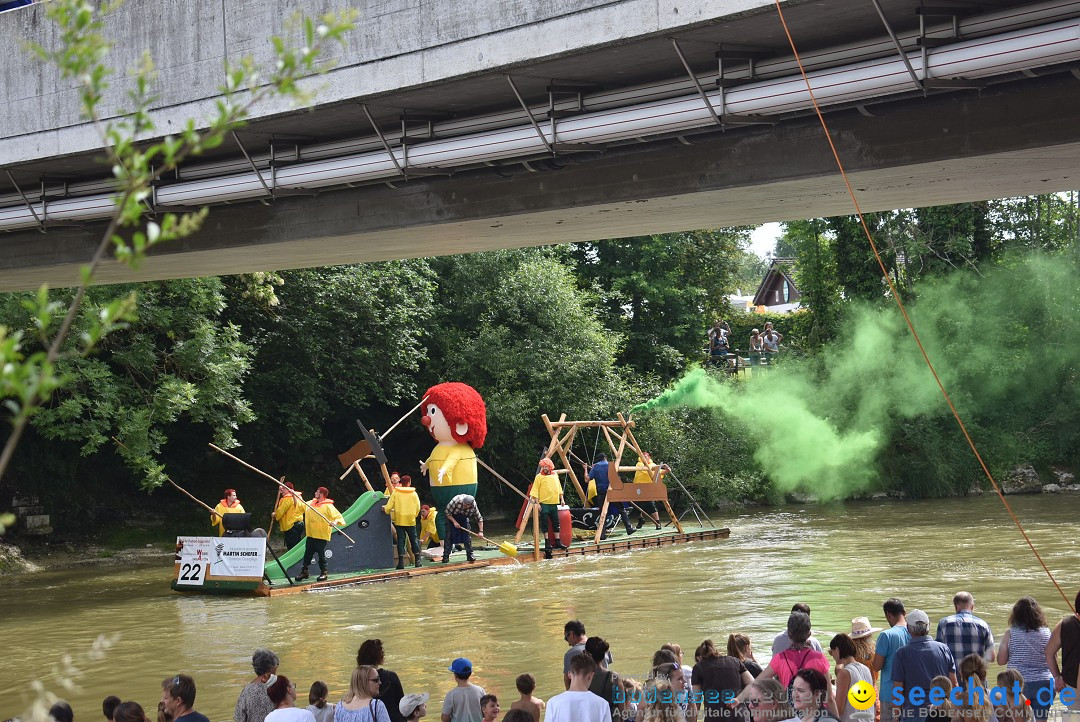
x,y
560,424
557,446
536,532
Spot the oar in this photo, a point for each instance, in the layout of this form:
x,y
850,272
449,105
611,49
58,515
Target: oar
x,y
505,547
282,486
206,506
273,516
386,433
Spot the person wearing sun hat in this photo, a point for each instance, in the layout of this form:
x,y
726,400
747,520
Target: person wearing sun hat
x,y
413,706
462,703
862,635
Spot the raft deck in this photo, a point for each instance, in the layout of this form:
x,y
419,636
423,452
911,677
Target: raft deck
x,y
491,556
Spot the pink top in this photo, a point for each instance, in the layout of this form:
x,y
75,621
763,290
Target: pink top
x,y
790,661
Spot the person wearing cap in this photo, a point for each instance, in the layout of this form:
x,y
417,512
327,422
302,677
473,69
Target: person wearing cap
x,y
317,520
289,514
461,511
462,703
888,642
229,505
546,490
403,508
413,706
916,664
964,633
429,530
254,703
782,641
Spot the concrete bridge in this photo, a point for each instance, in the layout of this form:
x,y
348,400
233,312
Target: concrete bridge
x,y
450,126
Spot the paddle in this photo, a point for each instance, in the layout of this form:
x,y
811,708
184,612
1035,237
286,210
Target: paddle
x,y
505,547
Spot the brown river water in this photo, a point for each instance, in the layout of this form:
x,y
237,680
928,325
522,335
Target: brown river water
x,y
843,560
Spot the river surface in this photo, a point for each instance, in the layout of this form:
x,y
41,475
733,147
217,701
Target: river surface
x,y
843,560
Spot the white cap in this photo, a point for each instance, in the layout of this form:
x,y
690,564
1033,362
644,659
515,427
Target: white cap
x,y
918,618
410,702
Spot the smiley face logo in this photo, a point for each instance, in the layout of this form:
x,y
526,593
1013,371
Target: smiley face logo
x,y
861,696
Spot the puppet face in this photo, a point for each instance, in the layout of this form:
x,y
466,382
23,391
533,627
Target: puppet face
x,y
439,427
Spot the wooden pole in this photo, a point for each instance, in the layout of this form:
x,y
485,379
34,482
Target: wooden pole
x,y
198,501
499,476
601,521
407,415
525,516
263,473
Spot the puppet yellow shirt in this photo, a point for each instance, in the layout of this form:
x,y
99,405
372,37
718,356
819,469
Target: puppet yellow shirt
x,y
546,488
459,460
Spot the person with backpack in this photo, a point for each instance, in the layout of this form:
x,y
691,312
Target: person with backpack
x,y
800,655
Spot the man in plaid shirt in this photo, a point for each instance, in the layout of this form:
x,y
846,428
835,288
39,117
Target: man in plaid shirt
x,y
964,633
460,512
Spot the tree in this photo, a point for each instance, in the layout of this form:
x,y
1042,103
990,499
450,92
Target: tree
x,y
30,363
815,277
662,292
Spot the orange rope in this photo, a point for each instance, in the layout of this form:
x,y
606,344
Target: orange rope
x,y
903,311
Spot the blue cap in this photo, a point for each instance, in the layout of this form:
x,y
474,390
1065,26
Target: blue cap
x,y
461,665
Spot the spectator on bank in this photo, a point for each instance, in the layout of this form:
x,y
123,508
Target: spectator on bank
x,y
768,701
849,672
526,685
317,705
659,703
917,663
862,635
1013,709
283,694
738,646
178,699
719,678
1023,648
888,642
109,705
964,633
462,703
770,330
254,704
1066,637
362,703
413,706
782,641
390,691
757,347
605,683
61,712
489,708
129,712
975,705
577,704
810,692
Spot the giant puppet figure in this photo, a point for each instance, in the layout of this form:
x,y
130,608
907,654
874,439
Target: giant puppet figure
x,y
455,416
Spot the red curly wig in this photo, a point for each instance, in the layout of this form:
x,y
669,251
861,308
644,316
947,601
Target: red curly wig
x,y
461,404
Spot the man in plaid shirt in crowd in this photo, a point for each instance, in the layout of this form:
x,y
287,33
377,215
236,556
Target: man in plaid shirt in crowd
x,y
964,633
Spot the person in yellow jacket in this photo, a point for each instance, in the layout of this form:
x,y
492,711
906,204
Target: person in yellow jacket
x,y
229,505
644,472
429,532
289,514
318,530
403,508
547,490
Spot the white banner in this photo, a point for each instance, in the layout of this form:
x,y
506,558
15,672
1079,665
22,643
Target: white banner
x,y
231,558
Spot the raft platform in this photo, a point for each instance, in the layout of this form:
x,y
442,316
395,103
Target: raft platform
x,y
491,556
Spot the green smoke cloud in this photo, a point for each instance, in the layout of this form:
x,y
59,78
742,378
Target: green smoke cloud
x,y
1003,346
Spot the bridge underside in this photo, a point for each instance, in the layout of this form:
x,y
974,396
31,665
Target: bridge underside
x,y
1010,139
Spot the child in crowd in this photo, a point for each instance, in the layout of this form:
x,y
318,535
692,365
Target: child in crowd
x,y
1011,679
578,704
462,703
632,690
317,702
489,707
413,706
526,684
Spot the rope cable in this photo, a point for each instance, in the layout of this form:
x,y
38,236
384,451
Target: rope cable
x,y
904,313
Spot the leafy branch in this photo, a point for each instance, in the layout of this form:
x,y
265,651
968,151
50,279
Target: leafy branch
x,y
28,379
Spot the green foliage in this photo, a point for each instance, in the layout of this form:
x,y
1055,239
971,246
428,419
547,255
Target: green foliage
x,y
176,361
330,341
659,292
515,325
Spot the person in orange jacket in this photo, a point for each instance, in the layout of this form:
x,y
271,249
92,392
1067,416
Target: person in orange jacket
x,y
403,508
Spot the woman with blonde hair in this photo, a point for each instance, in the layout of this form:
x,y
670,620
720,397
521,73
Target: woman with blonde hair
x,y
658,703
1013,709
362,703
768,701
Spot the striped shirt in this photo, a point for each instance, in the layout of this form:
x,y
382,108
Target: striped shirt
x,y
964,633
1027,653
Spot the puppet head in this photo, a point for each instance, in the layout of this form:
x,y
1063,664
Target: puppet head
x,y
455,413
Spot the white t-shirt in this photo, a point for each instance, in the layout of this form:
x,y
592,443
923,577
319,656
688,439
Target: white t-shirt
x,y
290,714
577,707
